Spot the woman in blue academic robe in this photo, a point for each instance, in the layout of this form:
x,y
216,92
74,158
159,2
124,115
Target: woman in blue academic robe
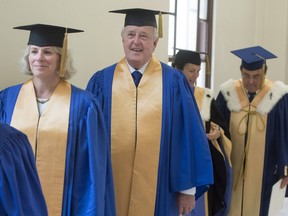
x,y
64,125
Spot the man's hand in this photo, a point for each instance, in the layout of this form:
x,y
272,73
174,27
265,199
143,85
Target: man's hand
x,y
284,182
185,203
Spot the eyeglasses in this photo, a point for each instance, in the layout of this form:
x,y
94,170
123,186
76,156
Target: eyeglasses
x,y
248,77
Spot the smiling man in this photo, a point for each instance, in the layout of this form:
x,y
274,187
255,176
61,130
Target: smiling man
x,y
160,154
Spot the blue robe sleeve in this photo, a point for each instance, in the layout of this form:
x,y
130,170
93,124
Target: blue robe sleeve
x,y
8,99
276,150
279,117
92,192
1,107
191,164
20,189
276,154
100,86
95,86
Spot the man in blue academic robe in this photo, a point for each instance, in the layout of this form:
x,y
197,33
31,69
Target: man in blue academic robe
x,y
159,149
184,164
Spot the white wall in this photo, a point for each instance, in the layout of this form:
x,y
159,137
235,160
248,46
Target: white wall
x,y
237,24
240,24
99,46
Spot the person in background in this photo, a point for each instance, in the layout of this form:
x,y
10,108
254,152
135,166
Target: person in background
x,y
160,154
216,200
64,125
20,189
256,111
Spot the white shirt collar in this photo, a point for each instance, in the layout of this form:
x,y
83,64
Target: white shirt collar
x,y
141,70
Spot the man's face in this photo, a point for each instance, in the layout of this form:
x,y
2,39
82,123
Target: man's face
x,y
139,44
251,79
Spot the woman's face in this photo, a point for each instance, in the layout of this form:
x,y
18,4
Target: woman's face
x,y
191,72
44,61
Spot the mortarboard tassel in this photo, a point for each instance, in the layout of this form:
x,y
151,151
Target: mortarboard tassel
x,y
208,70
262,76
64,56
160,28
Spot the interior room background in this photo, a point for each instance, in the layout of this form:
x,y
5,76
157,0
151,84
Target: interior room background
x,y
236,24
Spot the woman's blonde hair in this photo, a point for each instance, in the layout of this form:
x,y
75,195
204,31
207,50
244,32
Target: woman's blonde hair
x,y
25,67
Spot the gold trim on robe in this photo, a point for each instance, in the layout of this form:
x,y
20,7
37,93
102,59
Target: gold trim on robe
x,y
199,94
135,138
48,136
247,181
199,97
227,145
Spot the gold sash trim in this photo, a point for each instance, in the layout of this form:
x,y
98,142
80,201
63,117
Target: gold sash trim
x,y
247,179
48,137
135,136
246,129
259,96
260,124
25,115
242,126
227,145
199,95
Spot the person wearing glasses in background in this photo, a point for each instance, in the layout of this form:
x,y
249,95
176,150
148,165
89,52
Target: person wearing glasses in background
x,y
256,111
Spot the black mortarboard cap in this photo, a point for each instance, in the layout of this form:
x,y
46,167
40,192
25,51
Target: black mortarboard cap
x,y
139,16
253,58
50,35
183,57
142,17
46,35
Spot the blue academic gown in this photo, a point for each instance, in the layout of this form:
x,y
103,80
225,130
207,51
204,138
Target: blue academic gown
x,y
88,184
185,159
276,146
20,189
